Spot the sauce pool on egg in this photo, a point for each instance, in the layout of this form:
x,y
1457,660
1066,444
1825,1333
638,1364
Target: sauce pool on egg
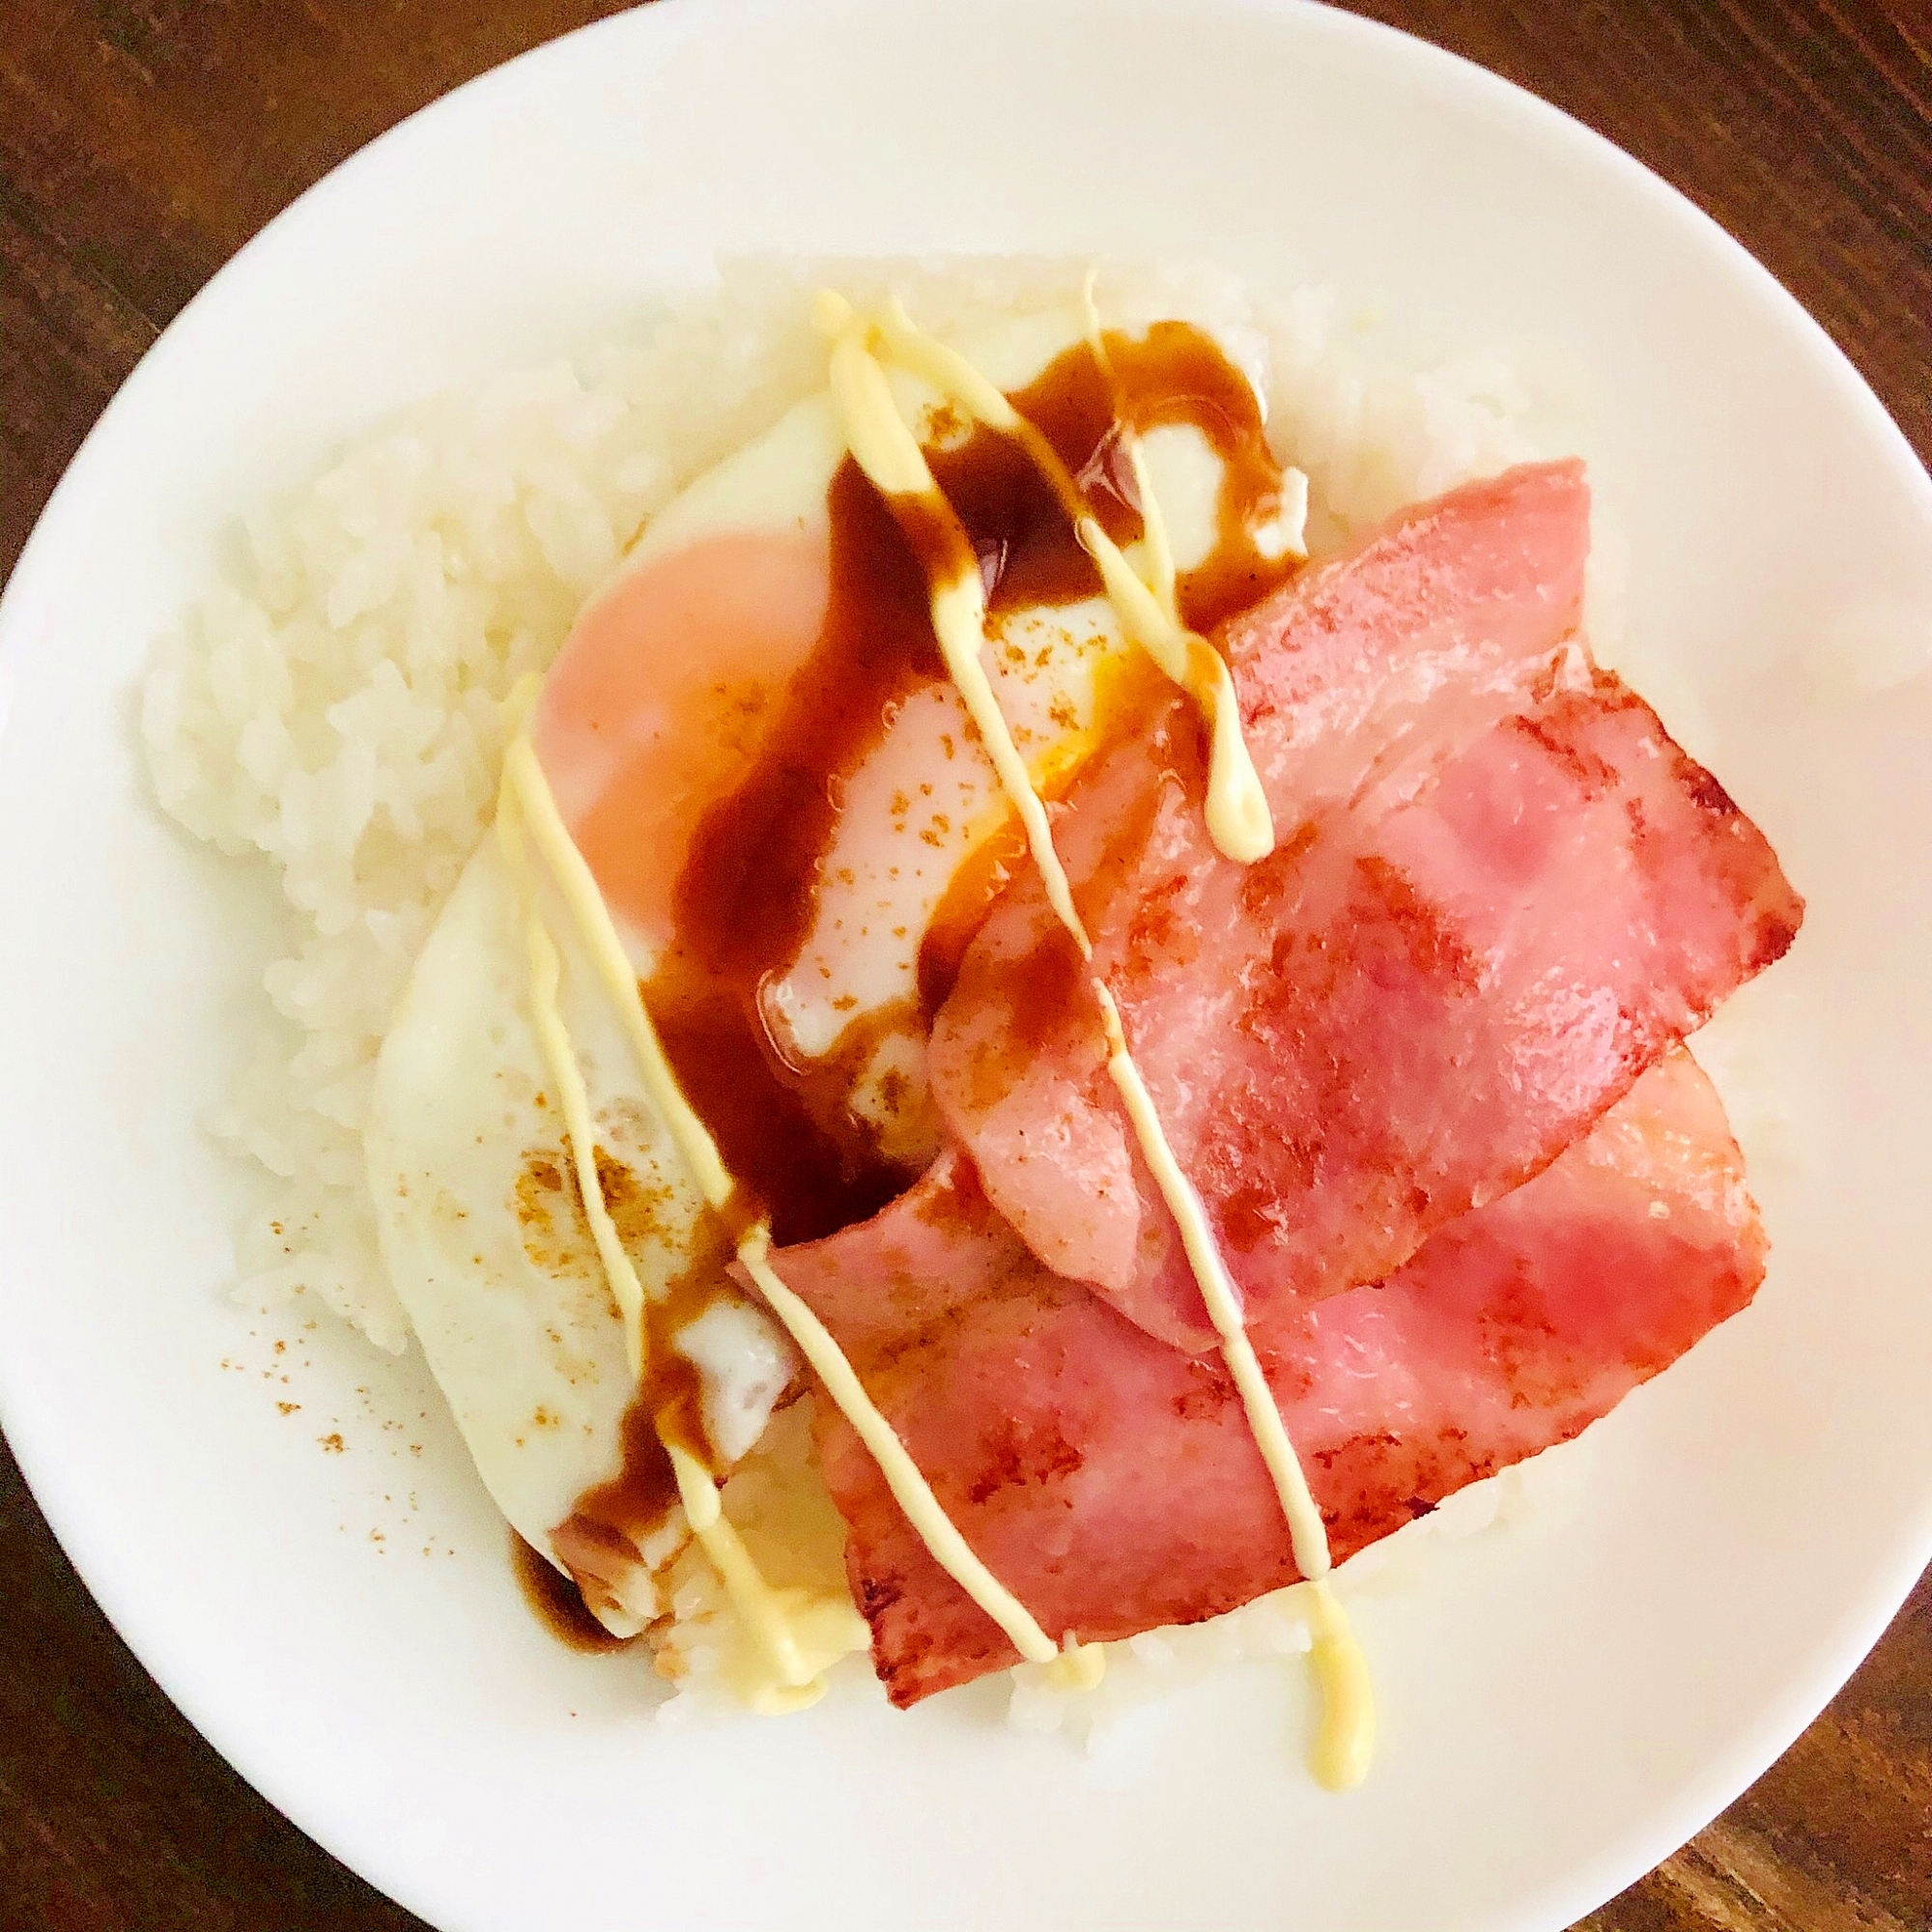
x,y
720,730
558,1603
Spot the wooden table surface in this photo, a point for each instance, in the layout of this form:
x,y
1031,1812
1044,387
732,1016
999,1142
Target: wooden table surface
x,y
143,141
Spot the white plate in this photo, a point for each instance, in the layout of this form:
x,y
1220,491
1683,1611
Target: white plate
x,y
1565,1700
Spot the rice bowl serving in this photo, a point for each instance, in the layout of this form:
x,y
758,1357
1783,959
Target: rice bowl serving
x,y
1575,1663
1015,1366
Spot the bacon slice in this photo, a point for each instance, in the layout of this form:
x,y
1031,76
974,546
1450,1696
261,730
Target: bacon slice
x,y
1112,1482
1500,893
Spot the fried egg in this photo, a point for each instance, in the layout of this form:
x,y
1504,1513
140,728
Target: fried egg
x,y
671,698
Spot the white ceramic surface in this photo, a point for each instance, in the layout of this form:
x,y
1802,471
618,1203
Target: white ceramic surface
x,y
1566,1697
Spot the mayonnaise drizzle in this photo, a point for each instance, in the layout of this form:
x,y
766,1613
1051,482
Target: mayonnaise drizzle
x,y
524,782
802,1635
1346,1738
1239,821
1155,546
574,880
573,1097
797,1636
1080,1664
889,453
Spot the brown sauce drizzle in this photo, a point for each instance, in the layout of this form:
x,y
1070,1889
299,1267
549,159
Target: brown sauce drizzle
x,y
1020,532
747,896
1045,989
1176,375
558,1603
613,1520
962,910
745,899
1130,691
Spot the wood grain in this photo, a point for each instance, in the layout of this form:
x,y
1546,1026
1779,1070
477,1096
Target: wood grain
x,y
143,141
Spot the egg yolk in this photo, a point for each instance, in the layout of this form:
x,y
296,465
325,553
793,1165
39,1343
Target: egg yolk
x,y
662,698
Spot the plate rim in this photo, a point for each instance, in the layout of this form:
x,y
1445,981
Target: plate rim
x,y
1803,1696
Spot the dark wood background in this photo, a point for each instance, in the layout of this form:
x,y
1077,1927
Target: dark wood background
x,y
143,141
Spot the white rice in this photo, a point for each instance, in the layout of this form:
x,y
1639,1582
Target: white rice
x,y
333,707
